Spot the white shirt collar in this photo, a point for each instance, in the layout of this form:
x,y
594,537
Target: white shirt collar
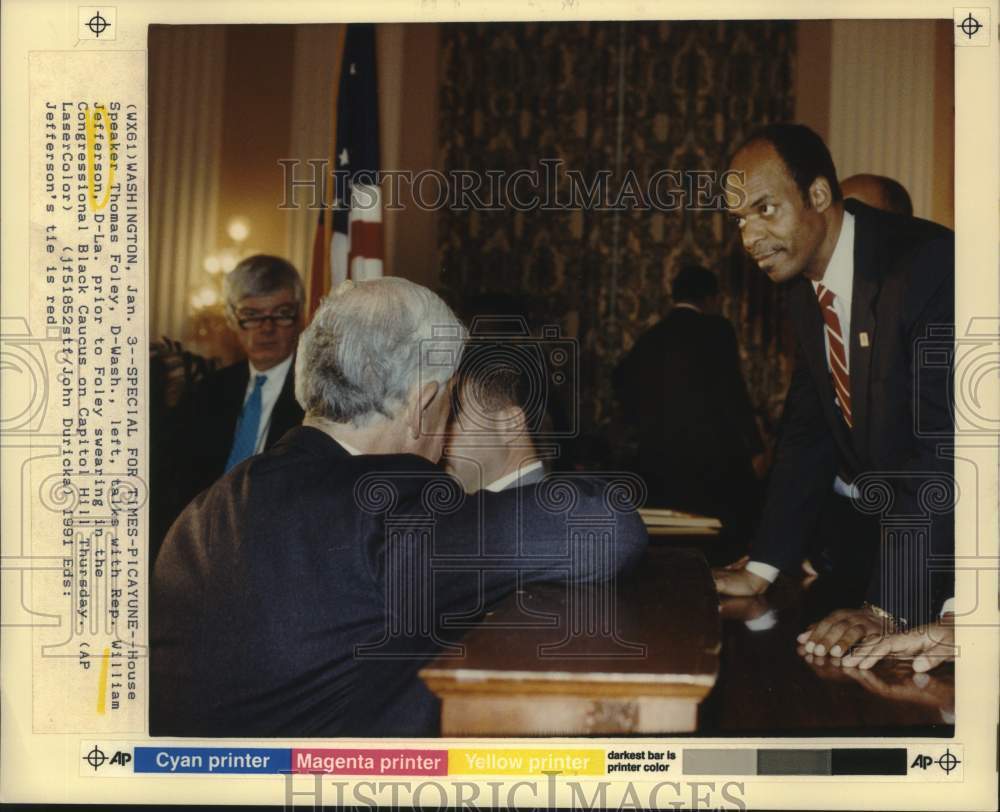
x,y
508,479
839,275
275,375
688,306
348,448
324,426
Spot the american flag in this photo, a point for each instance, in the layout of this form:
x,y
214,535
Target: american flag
x,y
349,245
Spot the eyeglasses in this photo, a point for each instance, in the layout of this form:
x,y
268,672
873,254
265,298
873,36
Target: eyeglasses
x,y
282,318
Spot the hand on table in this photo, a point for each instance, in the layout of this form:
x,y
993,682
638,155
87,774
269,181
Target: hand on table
x,y
736,579
835,634
897,682
828,668
857,638
928,646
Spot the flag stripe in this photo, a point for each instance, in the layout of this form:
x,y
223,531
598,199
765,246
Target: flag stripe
x,y
339,258
366,240
354,149
317,268
363,268
360,204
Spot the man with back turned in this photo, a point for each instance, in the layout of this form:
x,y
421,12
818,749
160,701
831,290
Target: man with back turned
x,y
682,387
301,593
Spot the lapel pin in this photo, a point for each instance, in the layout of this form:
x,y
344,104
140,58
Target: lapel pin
x,y
863,338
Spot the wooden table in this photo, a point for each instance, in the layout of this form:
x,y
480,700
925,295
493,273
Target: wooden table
x,y
633,656
758,685
766,688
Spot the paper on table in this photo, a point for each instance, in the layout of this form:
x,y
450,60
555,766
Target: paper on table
x,y
662,517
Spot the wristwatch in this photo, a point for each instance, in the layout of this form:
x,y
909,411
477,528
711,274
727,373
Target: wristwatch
x,y
896,624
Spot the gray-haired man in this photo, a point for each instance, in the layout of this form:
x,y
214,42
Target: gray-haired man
x,y
301,593
264,299
244,408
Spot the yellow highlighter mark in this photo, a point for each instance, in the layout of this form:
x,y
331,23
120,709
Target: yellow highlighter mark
x,y
102,682
92,117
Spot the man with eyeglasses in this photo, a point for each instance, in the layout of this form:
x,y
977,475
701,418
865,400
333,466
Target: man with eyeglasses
x,y
245,408
264,299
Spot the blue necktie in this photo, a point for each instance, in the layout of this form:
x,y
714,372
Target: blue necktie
x,y
246,431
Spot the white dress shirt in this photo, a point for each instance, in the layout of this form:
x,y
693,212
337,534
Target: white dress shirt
x,y
498,485
348,448
268,396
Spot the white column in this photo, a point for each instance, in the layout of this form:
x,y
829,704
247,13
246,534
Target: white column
x,y
187,64
882,103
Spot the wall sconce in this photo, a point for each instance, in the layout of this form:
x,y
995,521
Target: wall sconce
x,y
221,262
228,260
204,297
238,229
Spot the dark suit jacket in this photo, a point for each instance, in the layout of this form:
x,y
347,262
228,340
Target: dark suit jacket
x,y
201,437
271,578
214,412
901,406
682,387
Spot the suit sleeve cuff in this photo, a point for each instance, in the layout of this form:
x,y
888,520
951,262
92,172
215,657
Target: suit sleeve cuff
x,y
766,621
765,571
947,608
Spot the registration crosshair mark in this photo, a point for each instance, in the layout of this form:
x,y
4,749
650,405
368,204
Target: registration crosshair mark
x,y
969,26
95,758
948,762
97,24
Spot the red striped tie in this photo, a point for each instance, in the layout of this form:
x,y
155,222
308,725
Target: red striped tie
x,y
837,358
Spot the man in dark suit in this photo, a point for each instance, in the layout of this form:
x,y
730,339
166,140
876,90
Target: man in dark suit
x,y
300,594
864,417
682,386
490,443
879,192
244,408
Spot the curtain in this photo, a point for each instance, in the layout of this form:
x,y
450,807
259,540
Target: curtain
x,y
186,69
629,99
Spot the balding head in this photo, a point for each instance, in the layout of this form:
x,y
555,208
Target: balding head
x,y
880,192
